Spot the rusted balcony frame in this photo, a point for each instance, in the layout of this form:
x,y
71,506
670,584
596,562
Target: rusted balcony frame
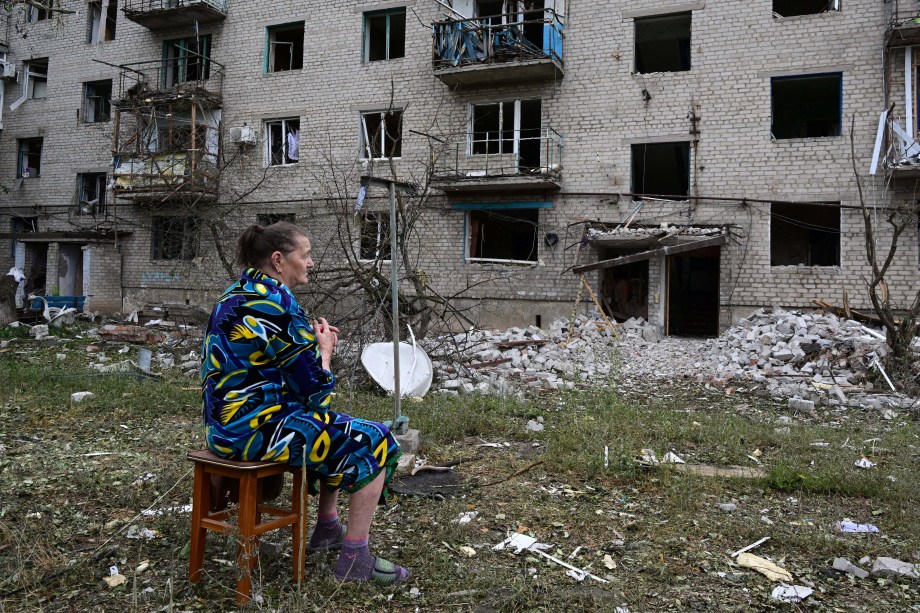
x,y
165,14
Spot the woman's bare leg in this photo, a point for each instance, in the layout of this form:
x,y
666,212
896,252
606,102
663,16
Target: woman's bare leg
x,y
361,506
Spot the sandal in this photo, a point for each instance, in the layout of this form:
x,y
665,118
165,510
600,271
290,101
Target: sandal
x,y
329,545
387,573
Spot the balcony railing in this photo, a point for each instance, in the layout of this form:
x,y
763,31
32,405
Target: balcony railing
x,y
166,177
488,160
169,79
526,45
163,14
904,23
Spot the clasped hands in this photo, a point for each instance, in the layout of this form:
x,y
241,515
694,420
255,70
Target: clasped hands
x,y
327,336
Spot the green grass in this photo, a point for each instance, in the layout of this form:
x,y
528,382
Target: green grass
x,y
662,528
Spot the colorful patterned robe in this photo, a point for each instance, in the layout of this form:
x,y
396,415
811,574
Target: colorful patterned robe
x,y
267,396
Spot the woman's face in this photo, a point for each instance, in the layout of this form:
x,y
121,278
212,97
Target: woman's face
x,y
294,267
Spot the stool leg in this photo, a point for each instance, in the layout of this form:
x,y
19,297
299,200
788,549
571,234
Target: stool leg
x,y
246,522
201,502
299,527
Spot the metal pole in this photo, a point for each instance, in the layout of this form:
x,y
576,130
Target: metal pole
x,y
394,292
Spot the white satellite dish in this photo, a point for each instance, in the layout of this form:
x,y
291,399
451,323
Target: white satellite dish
x,y
415,369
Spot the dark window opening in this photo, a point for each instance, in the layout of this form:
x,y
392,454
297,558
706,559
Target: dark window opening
x,y
174,238
661,169
375,237
111,19
285,47
503,234
804,235
283,142
506,127
792,8
624,289
177,137
663,43
807,107
267,219
381,136
97,101
187,59
30,158
35,13
95,20
385,35
91,193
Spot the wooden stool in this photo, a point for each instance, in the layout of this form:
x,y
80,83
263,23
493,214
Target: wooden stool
x,y
249,524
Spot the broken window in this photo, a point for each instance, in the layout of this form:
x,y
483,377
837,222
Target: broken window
x,y
96,28
511,126
663,43
375,237
661,169
807,107
381,134
267,219
283,142
804,234
176,137
187,59
384,35
91,192
30,158
791,8
37,78
503,234
97,101
40,13
285,47
174,238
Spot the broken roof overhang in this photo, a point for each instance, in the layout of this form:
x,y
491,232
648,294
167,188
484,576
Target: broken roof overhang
x,y
650,236
693,244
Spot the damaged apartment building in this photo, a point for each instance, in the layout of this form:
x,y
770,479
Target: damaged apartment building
x,y
689,162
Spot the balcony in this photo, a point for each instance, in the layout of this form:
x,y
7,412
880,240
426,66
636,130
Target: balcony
x,y
170,14
520,47
181,80
904,24
481,162
187,177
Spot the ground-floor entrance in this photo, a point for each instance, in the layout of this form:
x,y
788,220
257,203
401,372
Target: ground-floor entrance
x,y
692,282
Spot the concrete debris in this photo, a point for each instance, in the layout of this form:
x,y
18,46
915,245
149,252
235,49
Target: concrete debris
x,y
845,566
791,593
39,331
81,396
728,507
808,359
891,567
534,426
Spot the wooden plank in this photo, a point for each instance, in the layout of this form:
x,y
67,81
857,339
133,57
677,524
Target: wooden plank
x,y
509,344
654,253
487,364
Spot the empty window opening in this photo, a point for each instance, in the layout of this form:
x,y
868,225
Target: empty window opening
x,y
30,158
267,219
285,47
91,193
663,43
385,35
511,126
503,235
36,13
804,235
174,238
807,107
95,27
283,141
381,134
97,101
375,237
187,59
661,169
37,81
792,8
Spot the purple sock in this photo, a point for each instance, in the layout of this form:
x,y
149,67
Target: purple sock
x,y
355,561
327,532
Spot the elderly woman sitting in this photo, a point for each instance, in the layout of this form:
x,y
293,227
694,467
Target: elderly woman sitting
x,y
267,385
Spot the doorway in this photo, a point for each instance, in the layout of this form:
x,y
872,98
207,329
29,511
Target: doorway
x,y
624,290
693,293
70,270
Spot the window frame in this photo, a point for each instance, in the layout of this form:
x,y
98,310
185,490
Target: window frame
x,y
833,4
101,180
687,150
33,77
382,253
468,235
271,33
103,102
188,250
95,19
646,20
366,151
803,77
175,68
387,14
21,143
35,14
283,124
